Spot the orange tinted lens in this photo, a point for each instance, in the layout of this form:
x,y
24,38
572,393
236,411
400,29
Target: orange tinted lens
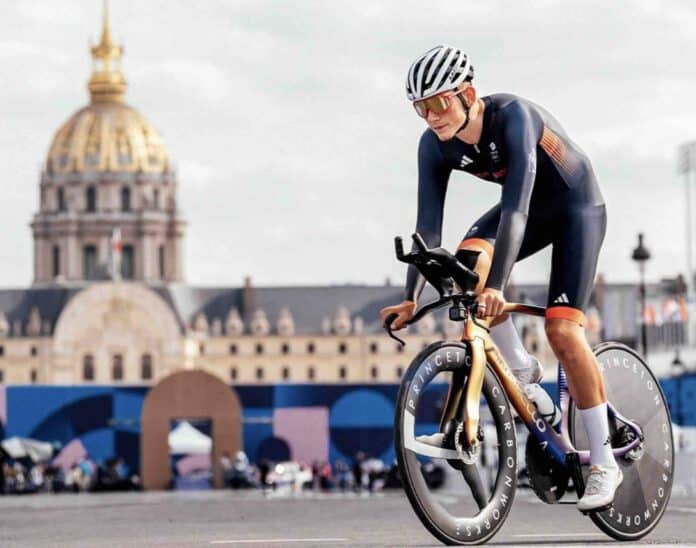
x,y
421,109
437,104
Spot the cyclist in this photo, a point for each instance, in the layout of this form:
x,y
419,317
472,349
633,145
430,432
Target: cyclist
x,y
549,196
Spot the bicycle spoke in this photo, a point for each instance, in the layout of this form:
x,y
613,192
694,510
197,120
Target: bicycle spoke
x,y
478,489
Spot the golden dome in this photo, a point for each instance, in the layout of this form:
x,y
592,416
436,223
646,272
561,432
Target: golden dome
x,y
107,135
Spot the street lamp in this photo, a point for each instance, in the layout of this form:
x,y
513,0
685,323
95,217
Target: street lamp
x,y
640,256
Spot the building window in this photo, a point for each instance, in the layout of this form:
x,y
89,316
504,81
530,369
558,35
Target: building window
x,y
310,348
33,351
233,373
233,349
2,376
33,375
56,261
2,350
161,262
127,262
61,199
125,199
259,373
310,373
342,372
156,199
373,372
88,368
259,348
89,262
342,348
399,372
146,367
201,349
117,367
374,348
91,199
285,348
286,373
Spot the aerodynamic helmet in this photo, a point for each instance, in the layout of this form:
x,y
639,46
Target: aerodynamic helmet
x,y
440,69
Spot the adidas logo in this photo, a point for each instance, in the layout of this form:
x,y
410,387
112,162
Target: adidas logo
x,y
562,298
465,161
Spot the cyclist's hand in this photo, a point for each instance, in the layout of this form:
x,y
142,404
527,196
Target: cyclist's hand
x,y
404,311
490,303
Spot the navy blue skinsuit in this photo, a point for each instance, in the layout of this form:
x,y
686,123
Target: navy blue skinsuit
x,y
549,196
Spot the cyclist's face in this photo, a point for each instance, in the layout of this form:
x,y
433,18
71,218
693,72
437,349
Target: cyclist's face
x,y
446,123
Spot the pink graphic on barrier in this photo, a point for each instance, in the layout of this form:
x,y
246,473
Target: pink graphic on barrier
x,y
71,454
306,430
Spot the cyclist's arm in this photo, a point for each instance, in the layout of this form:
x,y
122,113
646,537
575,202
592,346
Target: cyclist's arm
x,y
522,133
433,176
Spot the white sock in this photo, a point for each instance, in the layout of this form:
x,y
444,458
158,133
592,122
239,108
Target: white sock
x,y
509,343
597,428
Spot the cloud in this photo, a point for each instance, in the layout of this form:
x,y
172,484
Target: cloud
x,y
291,132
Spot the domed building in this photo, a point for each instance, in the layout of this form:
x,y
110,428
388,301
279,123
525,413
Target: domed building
x,y
109,305
108,202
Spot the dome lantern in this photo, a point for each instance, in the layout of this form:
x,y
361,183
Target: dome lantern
x,y
107,84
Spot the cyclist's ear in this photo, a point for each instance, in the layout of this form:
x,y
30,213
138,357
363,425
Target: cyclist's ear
x,y
469,93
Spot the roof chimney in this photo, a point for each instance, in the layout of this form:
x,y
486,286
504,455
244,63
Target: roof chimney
x,y
248,307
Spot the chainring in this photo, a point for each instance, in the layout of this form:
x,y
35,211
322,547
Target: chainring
x,y
548,479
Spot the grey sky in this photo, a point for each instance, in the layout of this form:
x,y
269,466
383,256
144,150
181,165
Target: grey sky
x,y
295,144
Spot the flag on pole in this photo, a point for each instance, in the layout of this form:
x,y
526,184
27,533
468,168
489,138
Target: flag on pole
x,y
116,248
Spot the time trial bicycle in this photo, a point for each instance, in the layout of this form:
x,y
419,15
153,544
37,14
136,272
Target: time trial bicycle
x,y
478,422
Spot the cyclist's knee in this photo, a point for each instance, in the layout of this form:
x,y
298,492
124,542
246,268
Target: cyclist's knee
x,y
483,262
563,334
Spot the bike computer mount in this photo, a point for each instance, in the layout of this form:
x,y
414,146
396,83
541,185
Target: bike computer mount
x,y
442,270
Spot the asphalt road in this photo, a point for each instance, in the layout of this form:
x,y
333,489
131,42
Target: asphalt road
x,y
250,519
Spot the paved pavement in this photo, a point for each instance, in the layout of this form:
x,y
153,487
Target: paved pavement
x,y
250,519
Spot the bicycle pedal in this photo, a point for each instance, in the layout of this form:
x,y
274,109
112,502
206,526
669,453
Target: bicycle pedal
x,y
597,510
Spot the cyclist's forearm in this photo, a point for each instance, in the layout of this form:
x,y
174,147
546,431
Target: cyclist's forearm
x,y
415,282
508,241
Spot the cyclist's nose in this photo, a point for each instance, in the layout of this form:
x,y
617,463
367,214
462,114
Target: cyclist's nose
x,y
432,116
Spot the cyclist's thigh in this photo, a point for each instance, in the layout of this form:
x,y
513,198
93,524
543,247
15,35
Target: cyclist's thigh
x,y
482,233
574,260
538,234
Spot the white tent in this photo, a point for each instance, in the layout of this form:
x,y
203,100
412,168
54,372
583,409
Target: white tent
x,y
187,440
37,451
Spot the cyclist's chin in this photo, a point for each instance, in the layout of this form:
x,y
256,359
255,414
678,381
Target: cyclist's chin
x,y
444,133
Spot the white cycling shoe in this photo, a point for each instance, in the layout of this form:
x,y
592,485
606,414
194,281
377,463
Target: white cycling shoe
x,y
600,487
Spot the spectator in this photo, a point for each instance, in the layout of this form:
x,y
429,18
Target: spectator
x,y
358,470
226,467
342,475
325,482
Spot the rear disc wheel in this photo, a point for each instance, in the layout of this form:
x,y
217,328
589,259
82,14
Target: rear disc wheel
x,y
648,470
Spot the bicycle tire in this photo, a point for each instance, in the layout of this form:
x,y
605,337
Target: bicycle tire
x,y
642,497
446,528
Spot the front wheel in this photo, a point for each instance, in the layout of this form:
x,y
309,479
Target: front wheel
x,y
648,470
480,489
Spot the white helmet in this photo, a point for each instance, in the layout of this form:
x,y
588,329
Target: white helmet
x,y
440,69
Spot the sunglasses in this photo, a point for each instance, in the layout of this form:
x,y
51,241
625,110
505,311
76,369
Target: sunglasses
x,y
438,104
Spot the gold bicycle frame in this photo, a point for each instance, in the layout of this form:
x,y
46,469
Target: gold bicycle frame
x,y
483,350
